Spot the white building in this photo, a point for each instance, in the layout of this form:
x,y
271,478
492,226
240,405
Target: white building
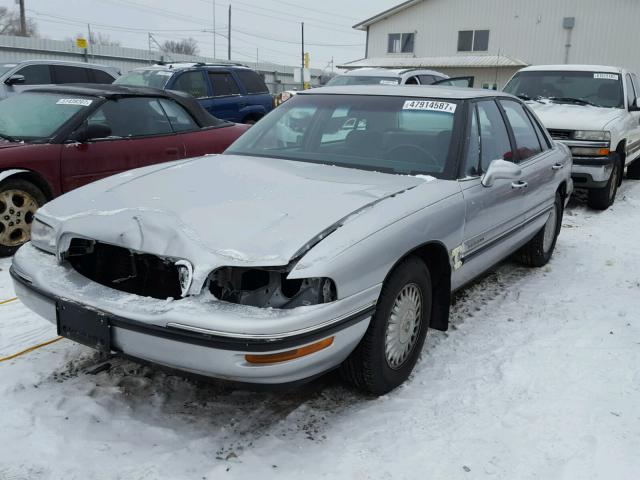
x,y
492,39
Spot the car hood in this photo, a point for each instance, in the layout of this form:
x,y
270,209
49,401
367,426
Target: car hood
x,y
222,210
574,117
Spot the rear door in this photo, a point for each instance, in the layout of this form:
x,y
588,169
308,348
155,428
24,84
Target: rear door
x,y
141,134
227,100
464,82
492,213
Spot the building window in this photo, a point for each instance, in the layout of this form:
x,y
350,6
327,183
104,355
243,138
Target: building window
x,y
473,40
400,43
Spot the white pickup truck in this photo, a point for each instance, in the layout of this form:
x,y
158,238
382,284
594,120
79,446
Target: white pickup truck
x,y
595,111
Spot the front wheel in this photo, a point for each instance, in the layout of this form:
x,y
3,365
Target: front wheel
x,y
603,198
392,344
538,251
19,200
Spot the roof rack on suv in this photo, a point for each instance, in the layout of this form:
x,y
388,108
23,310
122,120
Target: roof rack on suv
x,y
198,64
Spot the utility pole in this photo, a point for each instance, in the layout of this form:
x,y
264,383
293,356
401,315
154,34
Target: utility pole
x,y
302,62
90,40
257,55
229,36
214,29
23,20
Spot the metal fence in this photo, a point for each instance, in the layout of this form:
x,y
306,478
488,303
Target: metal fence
x,y
14,49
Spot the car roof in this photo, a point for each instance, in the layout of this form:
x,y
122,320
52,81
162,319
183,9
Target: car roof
x,y
376,72
573,68
174,67
61,62
110,91
417,91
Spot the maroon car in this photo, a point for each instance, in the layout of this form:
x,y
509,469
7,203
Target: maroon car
x,y
55,139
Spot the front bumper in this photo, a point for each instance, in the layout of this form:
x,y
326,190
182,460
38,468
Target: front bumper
x,y
193,334
590,172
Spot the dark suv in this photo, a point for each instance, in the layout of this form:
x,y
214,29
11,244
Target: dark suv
x,y
231,92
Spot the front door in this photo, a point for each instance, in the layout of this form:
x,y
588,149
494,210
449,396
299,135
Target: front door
x,y
141,135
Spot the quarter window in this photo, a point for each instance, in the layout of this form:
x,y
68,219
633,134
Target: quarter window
x,y
100,76
68,74
494,138
35,75
400,43
132,117
253,83
192,83
223,84
473,40
527,143
179,118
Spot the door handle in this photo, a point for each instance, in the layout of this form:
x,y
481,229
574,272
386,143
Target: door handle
x,y
171,151
519,184
558,166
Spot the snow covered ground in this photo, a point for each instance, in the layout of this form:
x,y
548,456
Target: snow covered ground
x,y
539,378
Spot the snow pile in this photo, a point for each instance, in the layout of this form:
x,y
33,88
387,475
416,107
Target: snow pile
x,y
539,377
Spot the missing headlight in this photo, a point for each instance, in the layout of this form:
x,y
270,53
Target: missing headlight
x,y
262,287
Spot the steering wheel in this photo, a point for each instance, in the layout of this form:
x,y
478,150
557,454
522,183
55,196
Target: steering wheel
x,y
408,148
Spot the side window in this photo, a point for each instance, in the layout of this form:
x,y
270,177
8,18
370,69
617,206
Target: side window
x,y
527,143
544,142
634,77
100,76
67,74
427,79
253,83
494,138
179,118
412,81
472,160
132,117
192,83
631,94
35,74
223,84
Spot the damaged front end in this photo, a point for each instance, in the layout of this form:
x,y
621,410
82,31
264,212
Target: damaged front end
x,y
269,287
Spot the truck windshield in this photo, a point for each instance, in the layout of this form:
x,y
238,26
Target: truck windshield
x,y
391,134
341,80
601,89
145,78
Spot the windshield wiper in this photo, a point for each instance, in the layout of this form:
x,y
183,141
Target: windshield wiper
x,y
9,138
577,101
527,98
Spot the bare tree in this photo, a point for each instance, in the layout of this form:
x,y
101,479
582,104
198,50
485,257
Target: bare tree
x,y
10,23
187,46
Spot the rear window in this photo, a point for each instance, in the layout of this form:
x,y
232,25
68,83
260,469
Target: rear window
x,y
341,80
145,78
252,81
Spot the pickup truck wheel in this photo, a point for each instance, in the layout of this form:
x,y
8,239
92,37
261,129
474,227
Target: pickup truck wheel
x,y
633,170
19,201
538,251
603,198
392,344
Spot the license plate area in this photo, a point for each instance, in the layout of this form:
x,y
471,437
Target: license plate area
x,y
84,326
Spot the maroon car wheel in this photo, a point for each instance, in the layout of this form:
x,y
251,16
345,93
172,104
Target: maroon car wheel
x,y
19,201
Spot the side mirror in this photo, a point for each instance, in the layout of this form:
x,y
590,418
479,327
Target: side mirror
x,y
15,80
92,131
501,170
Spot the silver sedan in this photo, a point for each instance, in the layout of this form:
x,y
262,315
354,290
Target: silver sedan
x,y
331,234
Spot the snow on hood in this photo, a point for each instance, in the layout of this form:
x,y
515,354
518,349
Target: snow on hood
x,y
563,116
222,210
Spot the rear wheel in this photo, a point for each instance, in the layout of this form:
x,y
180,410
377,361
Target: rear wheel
x,y
19,200
633,170
603,198
392,344
539,250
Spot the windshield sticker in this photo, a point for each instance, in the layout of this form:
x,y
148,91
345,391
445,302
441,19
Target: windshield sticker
x,y
83,102
605,76
388,82
164,74
430,105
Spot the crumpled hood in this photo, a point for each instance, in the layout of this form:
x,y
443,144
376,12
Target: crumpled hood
x,y
225,210
574,117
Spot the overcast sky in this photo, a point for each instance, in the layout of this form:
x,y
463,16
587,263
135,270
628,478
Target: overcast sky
x,y
271,26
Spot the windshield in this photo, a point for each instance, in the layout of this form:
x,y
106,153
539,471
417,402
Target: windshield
x,y
341,80
37,116
145,78
4,68
586,88
387,134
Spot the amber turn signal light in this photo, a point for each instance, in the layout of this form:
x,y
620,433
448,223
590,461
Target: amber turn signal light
x,y
289,354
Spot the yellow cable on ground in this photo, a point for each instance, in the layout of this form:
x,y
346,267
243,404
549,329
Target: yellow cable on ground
x,y
7,301
30,349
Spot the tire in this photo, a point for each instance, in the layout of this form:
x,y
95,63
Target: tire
x,y
388,351
633,170
19,200
538,251
603,198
